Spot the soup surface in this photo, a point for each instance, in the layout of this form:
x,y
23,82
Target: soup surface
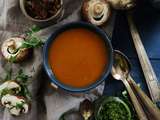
x,y
78,57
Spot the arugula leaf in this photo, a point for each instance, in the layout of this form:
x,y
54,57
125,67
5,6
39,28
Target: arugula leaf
x,y
23,81
25,92
21,77
19,105
32,42
5,91
33,29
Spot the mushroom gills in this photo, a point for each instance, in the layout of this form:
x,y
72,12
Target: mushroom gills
x,y
99,17
16,105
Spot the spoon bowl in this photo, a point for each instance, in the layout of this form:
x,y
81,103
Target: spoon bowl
x,y
86,109
121,66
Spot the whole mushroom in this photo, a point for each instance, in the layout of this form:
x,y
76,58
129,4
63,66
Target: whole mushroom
x,y
122,4
12,48
96,12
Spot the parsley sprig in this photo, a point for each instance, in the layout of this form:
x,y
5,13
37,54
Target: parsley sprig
x,y
21,77
31,40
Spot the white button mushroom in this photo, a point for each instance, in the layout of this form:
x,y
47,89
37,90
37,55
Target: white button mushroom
x,y
11,48
96,12
15,111
16,105
9,87
122,4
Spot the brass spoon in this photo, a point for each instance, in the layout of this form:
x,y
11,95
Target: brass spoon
x,y
145,100
120,71
86,109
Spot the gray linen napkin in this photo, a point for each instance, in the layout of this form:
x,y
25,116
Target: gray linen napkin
x,y
47,104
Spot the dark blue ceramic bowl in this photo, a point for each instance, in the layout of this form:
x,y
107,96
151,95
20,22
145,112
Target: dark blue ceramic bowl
x,y
96,30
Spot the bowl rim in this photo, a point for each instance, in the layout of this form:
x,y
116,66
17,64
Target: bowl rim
x,y
22,7
61,29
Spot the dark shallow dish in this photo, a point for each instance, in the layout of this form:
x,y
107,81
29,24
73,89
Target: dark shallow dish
x,y
70,26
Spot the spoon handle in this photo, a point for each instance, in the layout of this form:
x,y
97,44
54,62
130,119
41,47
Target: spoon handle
x,y
148,71
148,104
141,114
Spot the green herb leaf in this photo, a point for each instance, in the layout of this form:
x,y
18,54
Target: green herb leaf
x,y
32,42
33,29
5,91
21,77
12,59
19,105
25,92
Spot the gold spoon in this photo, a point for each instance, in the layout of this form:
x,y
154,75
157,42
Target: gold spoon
x,y
86,109
120,71
154,112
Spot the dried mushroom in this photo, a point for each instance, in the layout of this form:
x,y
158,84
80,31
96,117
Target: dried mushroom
x,y
42,9
96,12
122,4
15,104
12,51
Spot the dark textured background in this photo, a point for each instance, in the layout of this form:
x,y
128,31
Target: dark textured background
x,y
147,20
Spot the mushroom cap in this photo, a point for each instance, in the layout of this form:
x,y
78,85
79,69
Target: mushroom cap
x,y
12,48
10,85
96,12
122,4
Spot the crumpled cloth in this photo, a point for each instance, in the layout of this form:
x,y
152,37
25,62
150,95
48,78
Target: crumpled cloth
x,y
47,103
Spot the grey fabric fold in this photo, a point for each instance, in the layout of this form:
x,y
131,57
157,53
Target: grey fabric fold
x,y
47,103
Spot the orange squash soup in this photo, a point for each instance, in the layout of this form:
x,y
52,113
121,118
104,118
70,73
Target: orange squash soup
x,y
78,57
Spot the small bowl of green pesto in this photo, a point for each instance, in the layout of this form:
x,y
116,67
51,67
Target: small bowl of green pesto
x,y
113,108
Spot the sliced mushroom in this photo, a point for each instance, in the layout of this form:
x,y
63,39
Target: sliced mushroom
x,y
122,4
15,104
11,48
15,111
9,87
96,12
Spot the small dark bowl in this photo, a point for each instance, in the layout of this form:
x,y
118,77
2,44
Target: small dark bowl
x,y
71,26
42,22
